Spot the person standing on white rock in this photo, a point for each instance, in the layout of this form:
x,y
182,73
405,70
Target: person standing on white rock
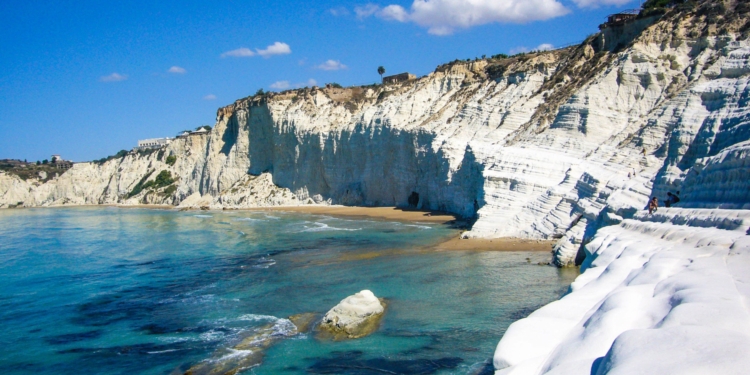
x,y
653,205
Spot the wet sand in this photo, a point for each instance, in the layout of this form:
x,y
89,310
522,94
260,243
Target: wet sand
x,y
149,206
495,244
389,213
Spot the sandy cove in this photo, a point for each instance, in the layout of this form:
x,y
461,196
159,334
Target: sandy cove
x,y
400,214
393,213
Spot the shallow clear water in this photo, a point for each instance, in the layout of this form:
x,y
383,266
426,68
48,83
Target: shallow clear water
x,y
123,291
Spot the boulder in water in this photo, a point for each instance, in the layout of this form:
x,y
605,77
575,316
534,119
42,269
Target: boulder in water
x,y
354,317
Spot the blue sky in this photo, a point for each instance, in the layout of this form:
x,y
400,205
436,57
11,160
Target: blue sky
x,y
89,79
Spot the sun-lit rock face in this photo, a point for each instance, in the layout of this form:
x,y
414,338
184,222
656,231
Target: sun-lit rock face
x,y
547,145
660,293
355,316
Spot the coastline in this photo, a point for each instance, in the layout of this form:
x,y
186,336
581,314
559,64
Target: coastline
x,y
388,213
495,244
455,243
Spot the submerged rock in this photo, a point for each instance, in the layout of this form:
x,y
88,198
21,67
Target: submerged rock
x,y
247,353
303,321
354,317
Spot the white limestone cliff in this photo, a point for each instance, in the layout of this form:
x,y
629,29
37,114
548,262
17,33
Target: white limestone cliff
x,y
547,145
661,293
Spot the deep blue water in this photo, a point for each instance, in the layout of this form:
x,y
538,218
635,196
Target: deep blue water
x,y
124,291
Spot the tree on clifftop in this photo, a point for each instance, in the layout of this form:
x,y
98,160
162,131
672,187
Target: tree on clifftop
x,y
381,71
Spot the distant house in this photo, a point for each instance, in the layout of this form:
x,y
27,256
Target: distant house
x,y
200,131
620,19
403,77
145,144
61,163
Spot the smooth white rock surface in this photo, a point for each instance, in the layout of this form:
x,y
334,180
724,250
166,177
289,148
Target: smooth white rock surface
x,y
353,311
665,293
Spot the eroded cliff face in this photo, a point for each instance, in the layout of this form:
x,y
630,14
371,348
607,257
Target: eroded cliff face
x,y
547,145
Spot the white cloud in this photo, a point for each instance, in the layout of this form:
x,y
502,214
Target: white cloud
x,y
177,70
277,48
597,3
443,17
209,97
339,11
541,47
331,65
544,47
365,11
280,85
239,52
394,12
310,82
114,77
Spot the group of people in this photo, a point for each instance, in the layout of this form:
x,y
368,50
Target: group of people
x,y
653,204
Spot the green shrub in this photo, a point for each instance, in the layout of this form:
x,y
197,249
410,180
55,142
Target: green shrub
x,y
170,190
119,154
164,178
171,159
139,186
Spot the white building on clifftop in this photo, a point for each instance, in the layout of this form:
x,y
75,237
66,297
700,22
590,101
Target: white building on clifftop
x,y
145,144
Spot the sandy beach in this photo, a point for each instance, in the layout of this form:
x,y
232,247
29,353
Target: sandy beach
x,y
495,244
388,213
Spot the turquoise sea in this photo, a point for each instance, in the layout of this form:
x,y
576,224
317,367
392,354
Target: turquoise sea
x,y
139,291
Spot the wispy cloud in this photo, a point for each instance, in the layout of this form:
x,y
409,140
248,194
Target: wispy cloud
x,y
339,11
177,70
209,97
114,77
597,3
331,65
280,85
283,85
394,12
277,48
541,47
364,11
545,47
239,52
444,17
